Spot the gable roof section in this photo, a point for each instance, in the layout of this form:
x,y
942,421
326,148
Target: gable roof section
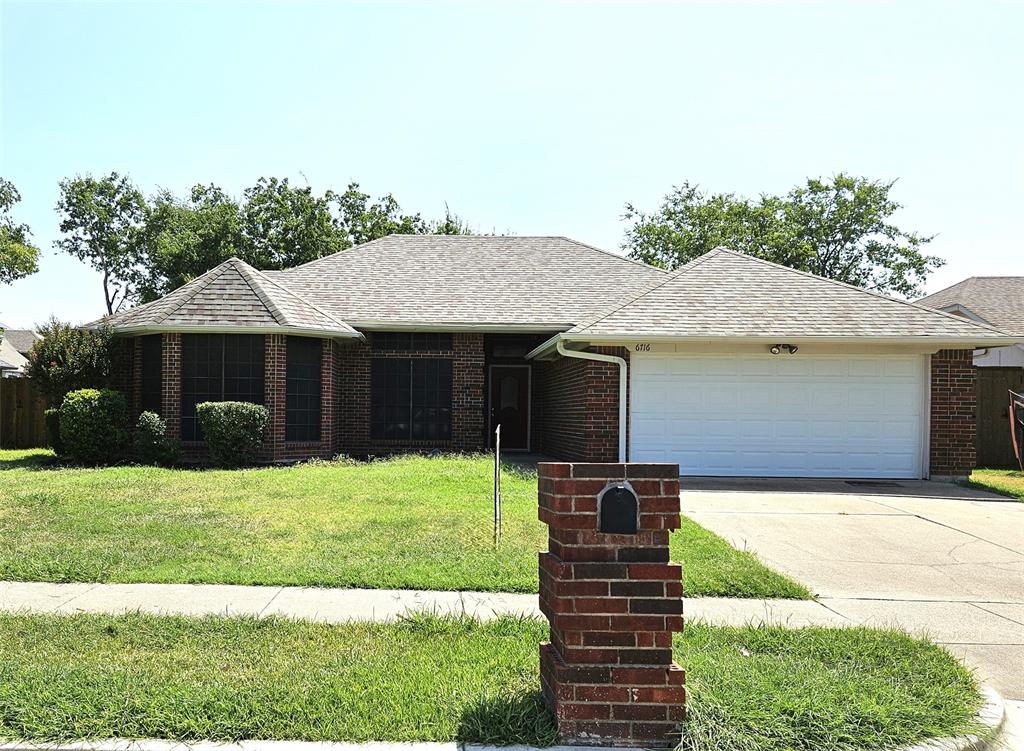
x,y
460,282
21,339
231,297
729,295
997,300
10,358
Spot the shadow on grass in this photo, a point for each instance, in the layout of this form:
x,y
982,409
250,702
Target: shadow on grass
x,y
507,719
29,460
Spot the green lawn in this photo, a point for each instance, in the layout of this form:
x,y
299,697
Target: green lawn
x,y
409,522
771,689
1009,482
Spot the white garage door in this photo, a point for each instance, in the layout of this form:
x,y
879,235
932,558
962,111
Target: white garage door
x,y
779,416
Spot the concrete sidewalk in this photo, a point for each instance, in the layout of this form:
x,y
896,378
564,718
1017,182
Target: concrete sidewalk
x,y
337,605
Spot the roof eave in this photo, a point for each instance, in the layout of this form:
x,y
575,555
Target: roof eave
x,y
143,329
941,342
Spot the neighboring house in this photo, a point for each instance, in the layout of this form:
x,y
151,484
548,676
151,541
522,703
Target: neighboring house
x,y
995,300
998,301
728,366
21,339
12,362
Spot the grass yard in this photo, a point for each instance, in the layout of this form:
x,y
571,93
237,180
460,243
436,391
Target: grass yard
x,y
1009,482
771,689
405,523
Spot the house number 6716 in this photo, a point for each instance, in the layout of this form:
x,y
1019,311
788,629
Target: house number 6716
x,y
642,347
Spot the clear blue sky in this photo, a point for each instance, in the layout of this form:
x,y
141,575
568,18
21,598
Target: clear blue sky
x,y
539,119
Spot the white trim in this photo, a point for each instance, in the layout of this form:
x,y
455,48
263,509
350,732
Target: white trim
x,y
929,342
288,330
524,328
529,402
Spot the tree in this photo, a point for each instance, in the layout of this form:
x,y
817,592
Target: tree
x,y
363,221
18,256
69,358
285,226
838,228
100,220
182,239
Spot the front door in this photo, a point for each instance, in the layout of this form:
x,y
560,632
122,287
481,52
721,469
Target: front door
x,y
993,442
510,405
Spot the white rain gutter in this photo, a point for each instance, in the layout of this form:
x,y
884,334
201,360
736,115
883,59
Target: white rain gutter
x,y
622,385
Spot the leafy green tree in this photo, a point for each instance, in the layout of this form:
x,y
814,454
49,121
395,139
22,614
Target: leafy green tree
x,y
18,256
284,226
362,220
182,239
69,358
100,219
839,228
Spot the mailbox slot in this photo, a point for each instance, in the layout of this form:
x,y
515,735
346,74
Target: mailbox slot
x,y
618,511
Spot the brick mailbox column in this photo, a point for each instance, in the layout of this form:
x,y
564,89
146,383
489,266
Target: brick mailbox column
x,y
613,600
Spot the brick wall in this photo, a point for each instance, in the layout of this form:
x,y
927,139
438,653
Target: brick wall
x,y
953,413
578,407
171,375
352,434
613,601
275,370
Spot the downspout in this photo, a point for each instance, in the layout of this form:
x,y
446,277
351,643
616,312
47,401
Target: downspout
x,y
622,385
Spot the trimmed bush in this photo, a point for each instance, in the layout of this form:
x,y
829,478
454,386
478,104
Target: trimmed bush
x,y
94,426
151,442
233,431
52,417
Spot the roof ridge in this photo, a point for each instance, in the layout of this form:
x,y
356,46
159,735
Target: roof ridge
x,y
879,295
633,261
278,315
672,276
298,297
208,276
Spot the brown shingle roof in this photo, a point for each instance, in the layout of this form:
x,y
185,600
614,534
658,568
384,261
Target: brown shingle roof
x,y
725,294
232,295
998,300
479,281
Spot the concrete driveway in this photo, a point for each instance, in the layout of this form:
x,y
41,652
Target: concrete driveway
x,y
931,558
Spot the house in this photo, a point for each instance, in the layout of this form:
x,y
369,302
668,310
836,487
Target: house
x,y
12,362
728,365
995,300
998,301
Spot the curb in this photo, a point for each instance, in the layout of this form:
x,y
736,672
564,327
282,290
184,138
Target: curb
x,y
991,716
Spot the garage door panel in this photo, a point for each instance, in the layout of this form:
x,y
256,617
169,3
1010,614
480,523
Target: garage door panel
x,y
854,416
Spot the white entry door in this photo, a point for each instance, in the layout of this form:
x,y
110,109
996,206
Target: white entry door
x,y
780,415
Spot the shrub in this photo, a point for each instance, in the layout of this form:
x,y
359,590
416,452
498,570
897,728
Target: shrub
x,y
233,430
69,358
152,444
94,426
52,417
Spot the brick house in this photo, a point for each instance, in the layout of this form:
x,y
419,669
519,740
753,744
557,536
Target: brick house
x,y
728,365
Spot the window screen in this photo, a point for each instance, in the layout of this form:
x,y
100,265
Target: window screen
x,y
152,387
302,397
218,368
411,399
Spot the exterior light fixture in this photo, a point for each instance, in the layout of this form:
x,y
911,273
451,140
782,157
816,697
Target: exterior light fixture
x,y
776,349
792,349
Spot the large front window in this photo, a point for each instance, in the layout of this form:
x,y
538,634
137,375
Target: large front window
x,y
302,399
411,399
218,368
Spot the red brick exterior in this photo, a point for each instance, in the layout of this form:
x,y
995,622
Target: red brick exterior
x,y
613,602
578,404
953,413
170,364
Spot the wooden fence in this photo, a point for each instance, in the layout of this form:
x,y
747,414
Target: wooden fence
x,y
22,424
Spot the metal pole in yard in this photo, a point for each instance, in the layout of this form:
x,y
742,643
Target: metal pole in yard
x,y
497,485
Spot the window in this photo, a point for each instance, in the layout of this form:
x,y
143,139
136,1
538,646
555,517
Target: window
x,y
411,400
302,395
152,387
218,368
410,341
